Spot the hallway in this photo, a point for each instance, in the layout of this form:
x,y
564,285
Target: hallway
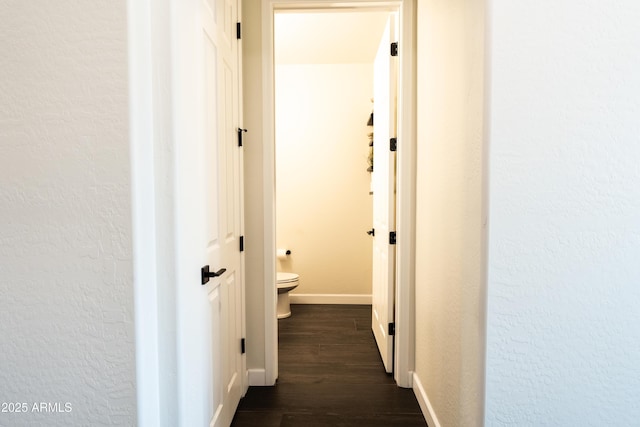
x,y
330,375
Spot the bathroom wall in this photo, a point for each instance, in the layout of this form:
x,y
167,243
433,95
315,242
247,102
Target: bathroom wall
x,y
66,281
563,341
322,186
449,217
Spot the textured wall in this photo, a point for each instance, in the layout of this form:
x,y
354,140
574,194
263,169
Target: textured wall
x,y
563,341
65,239
322,185
449,246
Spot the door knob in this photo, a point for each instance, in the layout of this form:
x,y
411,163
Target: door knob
x,y
206,274
372,232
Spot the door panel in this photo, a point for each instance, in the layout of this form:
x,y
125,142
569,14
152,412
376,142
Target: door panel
x,y
212,164
222,216
215,307
383,186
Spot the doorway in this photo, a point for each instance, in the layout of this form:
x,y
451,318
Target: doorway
x,y
404,275
323,103
327,189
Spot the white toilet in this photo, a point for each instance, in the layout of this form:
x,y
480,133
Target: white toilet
x,y
285,282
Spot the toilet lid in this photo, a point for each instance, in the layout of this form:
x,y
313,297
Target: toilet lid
x,y
286,277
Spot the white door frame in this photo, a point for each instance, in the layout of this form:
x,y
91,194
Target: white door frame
x,y
150,127
406,173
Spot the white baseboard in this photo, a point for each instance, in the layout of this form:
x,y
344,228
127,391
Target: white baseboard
x,y
423,401
257,377
360,299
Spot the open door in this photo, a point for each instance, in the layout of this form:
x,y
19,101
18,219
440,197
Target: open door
x,y
383,186
222,277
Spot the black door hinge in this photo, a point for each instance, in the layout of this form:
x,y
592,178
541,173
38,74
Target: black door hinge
x,y
394,49
240,131
393,144
392,237
243,347
238,30
392,328
241,243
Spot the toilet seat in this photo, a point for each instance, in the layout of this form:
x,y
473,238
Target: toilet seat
x,y
283,278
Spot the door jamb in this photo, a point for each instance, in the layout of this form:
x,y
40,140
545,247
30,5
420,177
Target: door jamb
x,y
404,340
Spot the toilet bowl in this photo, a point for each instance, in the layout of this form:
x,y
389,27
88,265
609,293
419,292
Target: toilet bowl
x,y
285,283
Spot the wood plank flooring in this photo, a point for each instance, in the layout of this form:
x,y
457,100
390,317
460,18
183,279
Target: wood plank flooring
x,y
330,374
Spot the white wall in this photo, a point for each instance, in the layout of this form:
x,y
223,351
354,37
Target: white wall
x,y
66,293
322,186
254,225
449,218
563,286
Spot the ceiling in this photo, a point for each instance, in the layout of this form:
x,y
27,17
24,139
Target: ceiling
x,y
328,37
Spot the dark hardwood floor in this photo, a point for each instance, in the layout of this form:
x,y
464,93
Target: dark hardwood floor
x,y
330,374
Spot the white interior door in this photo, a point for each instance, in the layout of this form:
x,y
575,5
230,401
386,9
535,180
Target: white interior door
x,y
383,186
223,201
